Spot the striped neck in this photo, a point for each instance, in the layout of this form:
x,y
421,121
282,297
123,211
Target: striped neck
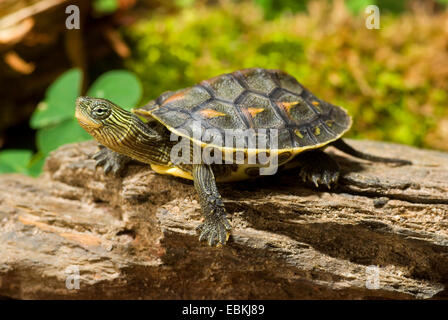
x,y
138,140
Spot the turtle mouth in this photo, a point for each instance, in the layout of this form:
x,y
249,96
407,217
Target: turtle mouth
x,y
84,120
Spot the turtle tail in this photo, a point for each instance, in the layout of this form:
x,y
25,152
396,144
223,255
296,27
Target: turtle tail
x,y
344,147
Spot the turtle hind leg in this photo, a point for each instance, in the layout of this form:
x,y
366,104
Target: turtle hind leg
x,y
111,161
344,147
215,228
318,168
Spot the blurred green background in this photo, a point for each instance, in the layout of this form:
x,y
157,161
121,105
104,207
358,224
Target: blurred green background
x,y
392,80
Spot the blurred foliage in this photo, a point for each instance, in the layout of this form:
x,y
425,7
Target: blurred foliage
x,y
54,117
103,7
184,3
392,80
15,161
273,8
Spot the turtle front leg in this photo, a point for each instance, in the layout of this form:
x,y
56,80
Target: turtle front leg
x,y
318,168
216,228
110,160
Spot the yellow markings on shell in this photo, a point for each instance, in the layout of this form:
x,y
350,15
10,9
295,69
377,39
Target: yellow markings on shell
x,y
174,97
296,150
287,105
282,157
210,113
254,111
298,133
329,123
317,105
317,131
173,171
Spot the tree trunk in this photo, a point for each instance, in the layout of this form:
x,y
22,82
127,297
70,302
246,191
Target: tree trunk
x,y
382,233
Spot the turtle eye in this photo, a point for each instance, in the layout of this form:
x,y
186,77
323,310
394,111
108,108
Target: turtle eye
x,y
101,111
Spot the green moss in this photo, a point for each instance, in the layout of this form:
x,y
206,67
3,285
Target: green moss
x,y
383,77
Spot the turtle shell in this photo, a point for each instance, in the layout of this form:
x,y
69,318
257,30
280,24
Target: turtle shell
x,y
271,100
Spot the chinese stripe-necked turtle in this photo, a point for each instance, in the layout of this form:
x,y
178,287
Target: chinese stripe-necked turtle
x,y
220,114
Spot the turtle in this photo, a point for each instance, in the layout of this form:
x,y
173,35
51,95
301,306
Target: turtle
x,y
213,116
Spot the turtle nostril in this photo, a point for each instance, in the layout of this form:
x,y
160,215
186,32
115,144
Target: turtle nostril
x,y
81,100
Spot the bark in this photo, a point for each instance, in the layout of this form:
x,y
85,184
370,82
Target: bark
x,y
134,236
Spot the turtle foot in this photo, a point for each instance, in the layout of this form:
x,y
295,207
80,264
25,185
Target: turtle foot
x,y
318,168
110,161
318,177
215,231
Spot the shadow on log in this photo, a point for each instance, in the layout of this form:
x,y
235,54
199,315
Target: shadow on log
x,y
383,233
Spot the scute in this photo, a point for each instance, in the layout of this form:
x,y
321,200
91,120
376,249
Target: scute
x,y
225,87
259,80
289,83
185,99
267,118
226,115
255,98
300,113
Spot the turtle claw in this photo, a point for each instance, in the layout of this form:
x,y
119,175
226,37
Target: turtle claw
x,y
326,178
108,167
318,169
110,161
215,232
316,179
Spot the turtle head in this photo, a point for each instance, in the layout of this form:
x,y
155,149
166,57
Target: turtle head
x,y
102,119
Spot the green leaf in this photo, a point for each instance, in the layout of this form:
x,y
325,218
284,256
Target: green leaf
x,y
69,131
59,103
14,160
36,164
119,86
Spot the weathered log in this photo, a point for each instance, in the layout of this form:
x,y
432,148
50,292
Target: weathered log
x,y
134,236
